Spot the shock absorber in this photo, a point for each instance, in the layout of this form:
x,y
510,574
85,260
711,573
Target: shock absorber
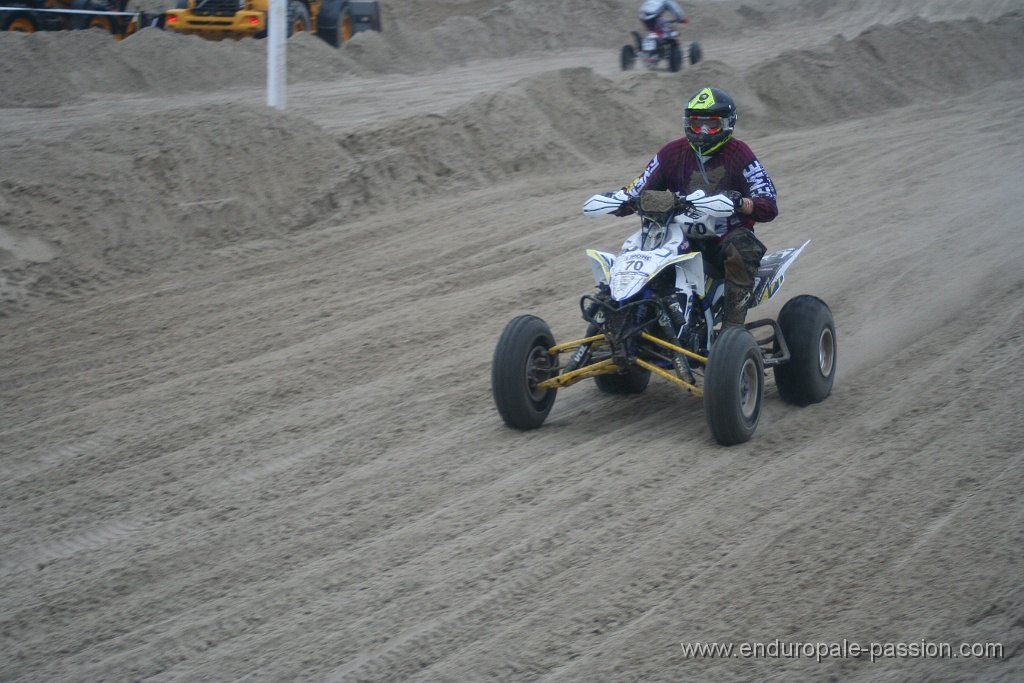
x,y
582,354
674,325
678,315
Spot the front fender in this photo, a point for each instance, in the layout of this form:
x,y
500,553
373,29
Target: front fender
x,y
601,265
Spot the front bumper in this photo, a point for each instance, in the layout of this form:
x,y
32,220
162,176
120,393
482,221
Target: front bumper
x,y
239,25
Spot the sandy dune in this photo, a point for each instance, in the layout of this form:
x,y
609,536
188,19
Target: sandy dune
x,y
246,430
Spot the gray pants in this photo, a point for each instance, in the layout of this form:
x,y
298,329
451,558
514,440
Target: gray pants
x,y
737,256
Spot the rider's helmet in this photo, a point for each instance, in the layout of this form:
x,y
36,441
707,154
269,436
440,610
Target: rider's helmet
x,y
709,118
650,10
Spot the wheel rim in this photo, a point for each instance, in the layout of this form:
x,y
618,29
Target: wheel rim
x,y
101,23
22,25
826,352
538,366
748,388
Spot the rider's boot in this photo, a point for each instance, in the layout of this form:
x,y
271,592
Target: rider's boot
x,y
737,301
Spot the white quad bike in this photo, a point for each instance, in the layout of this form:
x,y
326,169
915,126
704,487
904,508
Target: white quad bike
x,y
656,310
657,46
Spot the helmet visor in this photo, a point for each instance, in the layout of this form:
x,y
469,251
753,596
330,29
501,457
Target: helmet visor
x,y
707,125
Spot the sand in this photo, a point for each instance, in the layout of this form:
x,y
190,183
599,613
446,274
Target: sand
x,y
246,430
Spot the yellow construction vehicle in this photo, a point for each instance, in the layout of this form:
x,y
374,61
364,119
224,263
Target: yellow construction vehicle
x,y
29,16
333,20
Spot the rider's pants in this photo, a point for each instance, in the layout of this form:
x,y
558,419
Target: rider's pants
x,y
739,255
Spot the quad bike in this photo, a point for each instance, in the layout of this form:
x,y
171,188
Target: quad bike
x,y
662,44
655,310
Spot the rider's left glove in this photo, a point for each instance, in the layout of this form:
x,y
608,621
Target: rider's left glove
x,y
736,198
715,205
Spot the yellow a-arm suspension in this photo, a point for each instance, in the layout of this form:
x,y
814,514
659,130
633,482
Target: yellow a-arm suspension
x,y
608,365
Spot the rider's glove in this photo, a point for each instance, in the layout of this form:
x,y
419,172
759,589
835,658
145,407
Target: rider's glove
x,y
715,204
606,203
736,197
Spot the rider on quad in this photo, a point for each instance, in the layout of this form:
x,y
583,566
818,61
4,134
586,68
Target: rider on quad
x,y
651,11
709,158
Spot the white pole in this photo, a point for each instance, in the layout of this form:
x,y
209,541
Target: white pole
x,y
277,54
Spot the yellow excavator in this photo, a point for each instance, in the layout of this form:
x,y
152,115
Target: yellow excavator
x,y
29,16
333,20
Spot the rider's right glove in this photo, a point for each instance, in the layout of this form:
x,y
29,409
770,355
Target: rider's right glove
x,y
606,203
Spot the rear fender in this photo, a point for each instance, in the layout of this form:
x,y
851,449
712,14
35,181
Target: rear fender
x,y
772,272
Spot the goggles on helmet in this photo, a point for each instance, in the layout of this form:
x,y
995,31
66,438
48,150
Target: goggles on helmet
x,y
708,125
